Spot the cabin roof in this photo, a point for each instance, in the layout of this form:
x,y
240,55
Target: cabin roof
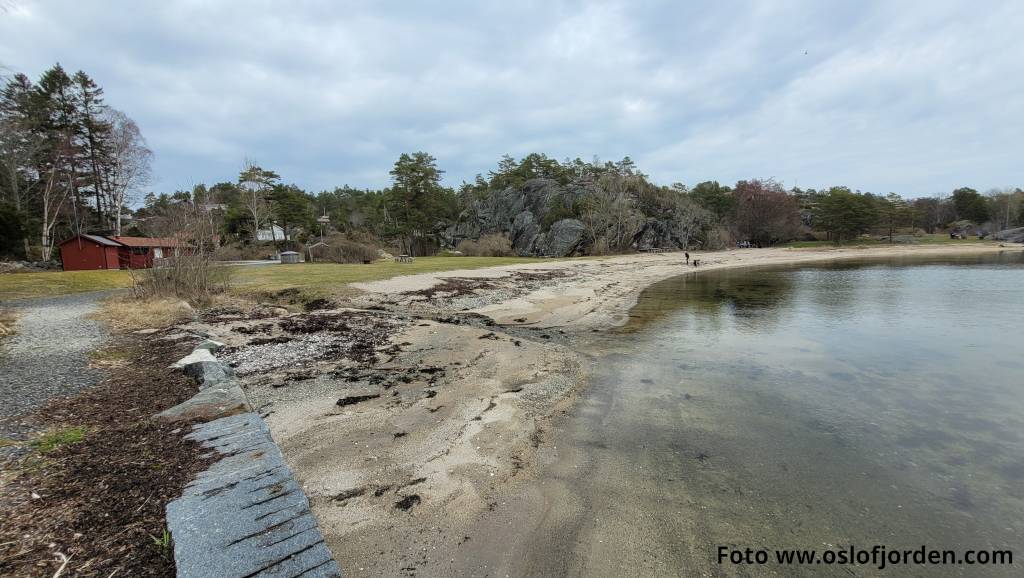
x,y
149,242
99,239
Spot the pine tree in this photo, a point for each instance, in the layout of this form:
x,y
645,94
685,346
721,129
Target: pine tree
x,y
417,200
94,133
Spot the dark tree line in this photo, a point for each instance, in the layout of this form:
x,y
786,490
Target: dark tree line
x,y
70,163
613,200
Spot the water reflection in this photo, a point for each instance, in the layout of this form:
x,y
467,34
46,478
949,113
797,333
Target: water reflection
x,y
752,304
861,403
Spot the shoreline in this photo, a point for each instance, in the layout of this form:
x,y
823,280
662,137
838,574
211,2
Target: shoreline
x,y
423,452
580,306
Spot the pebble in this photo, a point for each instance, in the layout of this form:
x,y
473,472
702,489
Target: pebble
x,y
48,356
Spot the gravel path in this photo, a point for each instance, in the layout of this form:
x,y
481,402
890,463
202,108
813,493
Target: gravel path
x,y
48,356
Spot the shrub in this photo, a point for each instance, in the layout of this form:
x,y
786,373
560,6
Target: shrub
x,y
193,278
245,251
493,245
341,249
191,275
599,247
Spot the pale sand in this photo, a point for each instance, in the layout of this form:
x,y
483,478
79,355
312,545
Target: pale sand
x,y
601,291
470,453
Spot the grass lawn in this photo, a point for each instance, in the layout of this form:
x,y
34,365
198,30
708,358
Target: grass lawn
x,y
313,279
331,278
22,285
936,239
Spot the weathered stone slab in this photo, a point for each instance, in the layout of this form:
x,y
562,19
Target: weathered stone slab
x,y
209,404
196,356
210,345
209,373
245,516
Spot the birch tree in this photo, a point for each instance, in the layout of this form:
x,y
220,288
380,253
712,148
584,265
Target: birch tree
x,y
128,167
55,192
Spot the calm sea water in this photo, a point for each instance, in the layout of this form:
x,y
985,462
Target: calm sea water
x,y
815,407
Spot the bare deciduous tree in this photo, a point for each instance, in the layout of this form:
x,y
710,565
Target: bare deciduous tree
x,y
190,273
129,166
54,193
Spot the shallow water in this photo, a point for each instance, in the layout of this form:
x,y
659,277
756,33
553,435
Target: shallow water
x,y
815,407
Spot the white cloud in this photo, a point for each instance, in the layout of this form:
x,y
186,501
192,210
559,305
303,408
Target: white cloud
x,y
913,97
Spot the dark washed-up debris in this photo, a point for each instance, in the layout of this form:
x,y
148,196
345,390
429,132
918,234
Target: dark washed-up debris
x,y
352,399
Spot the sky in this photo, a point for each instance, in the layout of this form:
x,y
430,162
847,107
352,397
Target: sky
x,y
911,97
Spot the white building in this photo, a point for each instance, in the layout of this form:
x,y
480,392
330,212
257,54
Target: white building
x,y
276,235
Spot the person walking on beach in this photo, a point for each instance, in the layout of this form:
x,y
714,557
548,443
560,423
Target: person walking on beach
x,y
687,253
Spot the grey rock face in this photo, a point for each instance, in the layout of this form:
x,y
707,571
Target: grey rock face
x,y
525,229
517,213
565,238
522,214
654,234
1010,235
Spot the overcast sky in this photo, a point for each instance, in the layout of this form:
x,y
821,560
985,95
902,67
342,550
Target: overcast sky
x,y
880,96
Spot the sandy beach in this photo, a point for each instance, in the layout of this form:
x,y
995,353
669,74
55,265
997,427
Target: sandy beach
x,y
416,414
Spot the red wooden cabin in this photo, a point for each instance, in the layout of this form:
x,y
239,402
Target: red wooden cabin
x,y
140,252
90,252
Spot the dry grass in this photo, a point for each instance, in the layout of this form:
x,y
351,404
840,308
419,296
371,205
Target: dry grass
x,y
495,245
342,250
127,313
109,357
7,321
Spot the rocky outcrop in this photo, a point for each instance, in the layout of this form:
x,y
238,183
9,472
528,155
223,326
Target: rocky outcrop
x,y
525,230
1010,235
539,218
564,238
654,234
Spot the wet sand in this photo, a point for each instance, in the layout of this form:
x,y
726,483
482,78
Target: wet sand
x,y
431,466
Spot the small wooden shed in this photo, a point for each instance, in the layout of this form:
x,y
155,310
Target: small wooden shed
x,y
89,253
289,257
